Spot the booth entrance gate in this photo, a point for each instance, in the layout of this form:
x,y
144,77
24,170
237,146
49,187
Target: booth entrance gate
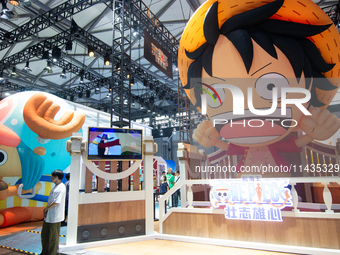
x,y
103,216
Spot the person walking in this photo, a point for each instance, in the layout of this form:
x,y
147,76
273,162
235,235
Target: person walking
x,y
53,215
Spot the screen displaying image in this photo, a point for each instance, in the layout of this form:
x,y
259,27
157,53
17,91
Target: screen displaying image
x,y
114,144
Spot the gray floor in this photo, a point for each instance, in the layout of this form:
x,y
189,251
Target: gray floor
x,y
27,242
87,253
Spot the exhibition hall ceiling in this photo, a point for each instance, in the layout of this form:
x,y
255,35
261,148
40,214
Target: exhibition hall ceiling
x,y
32,19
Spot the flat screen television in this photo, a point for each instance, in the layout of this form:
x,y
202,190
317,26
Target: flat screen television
x,y
114,144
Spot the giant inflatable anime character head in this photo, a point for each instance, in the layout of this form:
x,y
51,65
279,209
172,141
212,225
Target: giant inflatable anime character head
x,y
32,142
252,58
34,128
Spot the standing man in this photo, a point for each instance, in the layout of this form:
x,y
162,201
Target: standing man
x,y
54,215
176,195
171,180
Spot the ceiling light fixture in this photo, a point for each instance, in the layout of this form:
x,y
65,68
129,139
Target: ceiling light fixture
x,y
63,74
135,32
88,93
2,79
81,74
48,67
14,2
27,68
6,13
56,54
137,35
46,55
107,59
74,29
118,67
13,74
90,51
68,46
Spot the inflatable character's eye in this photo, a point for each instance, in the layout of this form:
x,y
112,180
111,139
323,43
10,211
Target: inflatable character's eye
x,y
265,84
212,97
3,157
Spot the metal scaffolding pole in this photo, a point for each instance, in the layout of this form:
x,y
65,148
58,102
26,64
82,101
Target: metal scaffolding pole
x,y
122,52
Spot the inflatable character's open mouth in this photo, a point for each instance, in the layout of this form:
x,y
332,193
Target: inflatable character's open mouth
x,y
253,129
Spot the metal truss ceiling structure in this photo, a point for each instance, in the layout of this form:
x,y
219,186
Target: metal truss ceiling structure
x,y
137,9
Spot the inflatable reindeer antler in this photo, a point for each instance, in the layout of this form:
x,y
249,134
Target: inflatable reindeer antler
x,y
39,113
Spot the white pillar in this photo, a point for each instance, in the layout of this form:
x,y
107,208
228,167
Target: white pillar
x,y
327,197
295,197
150,148
190,196
181,155
75,146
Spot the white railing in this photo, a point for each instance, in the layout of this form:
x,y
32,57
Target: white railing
x,y
188,205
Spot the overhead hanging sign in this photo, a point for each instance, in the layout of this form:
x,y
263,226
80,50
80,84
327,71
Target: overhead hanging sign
x,y
157,55
251,198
